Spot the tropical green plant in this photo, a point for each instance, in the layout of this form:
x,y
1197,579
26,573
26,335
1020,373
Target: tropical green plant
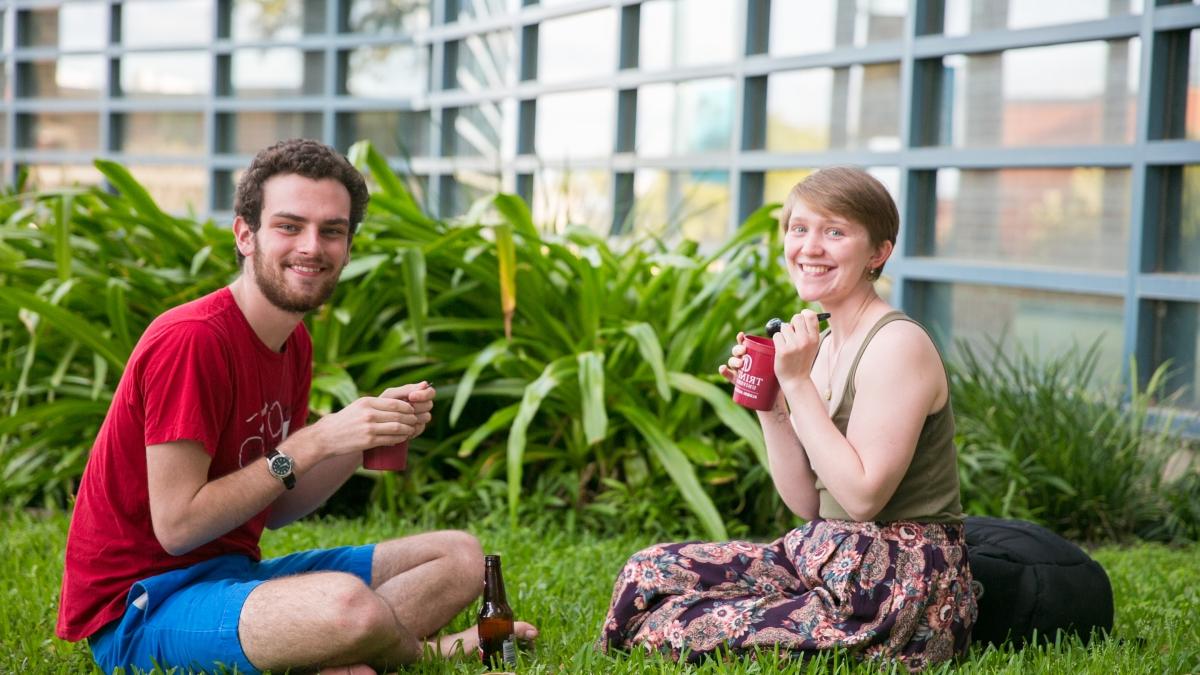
x,y
1040,439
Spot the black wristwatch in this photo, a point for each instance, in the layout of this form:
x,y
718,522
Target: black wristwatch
x,y
280,466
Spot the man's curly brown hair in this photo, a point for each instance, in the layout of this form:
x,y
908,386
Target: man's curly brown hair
x,y
303,157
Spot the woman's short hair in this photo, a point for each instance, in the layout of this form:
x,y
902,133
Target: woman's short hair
x,y
850,193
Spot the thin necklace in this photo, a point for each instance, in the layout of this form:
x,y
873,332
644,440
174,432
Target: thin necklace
x,y
833,357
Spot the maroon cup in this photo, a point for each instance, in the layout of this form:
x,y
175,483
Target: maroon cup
x,y
755,386
387,457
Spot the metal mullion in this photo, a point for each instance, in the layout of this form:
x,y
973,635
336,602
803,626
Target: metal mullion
x,y
761,160
737,201
1176,17
329,122
930,158
1009,275
209,122
931,46
883,52
1172,287
1171,151
907,198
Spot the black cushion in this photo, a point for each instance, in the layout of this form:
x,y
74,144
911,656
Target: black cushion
x,y
1030,579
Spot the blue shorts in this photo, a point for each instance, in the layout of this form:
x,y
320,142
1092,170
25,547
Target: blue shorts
x,y
189,617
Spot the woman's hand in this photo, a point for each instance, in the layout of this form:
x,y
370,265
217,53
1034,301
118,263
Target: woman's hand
x,y
796,346
730,368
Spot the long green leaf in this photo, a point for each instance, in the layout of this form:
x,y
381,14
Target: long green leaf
x,y
679,468
126,184
591,394
467,383
71,325
652,352
336,382
50,413
734,416
118,313
499,419
62,239
516,212
506,258
414,292
532,399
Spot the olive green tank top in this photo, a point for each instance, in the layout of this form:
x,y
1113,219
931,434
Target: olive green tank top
x,y
929,491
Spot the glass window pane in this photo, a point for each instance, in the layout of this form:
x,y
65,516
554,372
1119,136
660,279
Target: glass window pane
x,y
67,77
153,23
577,47
1043,323
276,73
166,74
821,25
574,124
393,71
834,109
485,61
58,131
1178,226
972,16
160,133
175,188
76,25
248,132
1177,339
384,17
1075,218
1074,94
685,118
50,176
572,197
394,133
469,187
277,20
479,131
779,183
1192,115
467,10
677,33
691,204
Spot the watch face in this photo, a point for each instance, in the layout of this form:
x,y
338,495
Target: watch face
x,y
281,465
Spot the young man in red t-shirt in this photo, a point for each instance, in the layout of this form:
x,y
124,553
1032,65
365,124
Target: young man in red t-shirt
x,y
204,445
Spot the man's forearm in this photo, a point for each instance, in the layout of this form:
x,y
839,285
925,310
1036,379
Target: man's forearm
x,y
313,488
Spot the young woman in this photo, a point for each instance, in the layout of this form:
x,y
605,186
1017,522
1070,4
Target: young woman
x,y
861,445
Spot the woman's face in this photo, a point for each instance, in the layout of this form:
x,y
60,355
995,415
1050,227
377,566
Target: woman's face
x,y
828,256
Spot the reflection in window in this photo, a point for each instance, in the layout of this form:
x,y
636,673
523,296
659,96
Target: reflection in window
x,y
247,132
159,133
277,19
68,77
1177,228
468,189
972,16
684,118
822,25
484,61
1192,115
465,10
50,176
1176,338
577,47
855,107
152,23
75,25
384,17
778,184
1043,323
276,73
1074,218
572,197
478,131
388,71
677,33
395,133
1074,94
691,204
58,131
165,74
575,124
175,188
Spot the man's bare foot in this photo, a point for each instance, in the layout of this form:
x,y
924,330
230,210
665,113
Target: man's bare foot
x,y
466,642
357,669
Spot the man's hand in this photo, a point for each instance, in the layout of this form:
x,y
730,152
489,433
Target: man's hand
x,y
398,415
420,397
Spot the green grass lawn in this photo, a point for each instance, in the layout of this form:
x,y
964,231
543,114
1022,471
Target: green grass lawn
x,y
562,583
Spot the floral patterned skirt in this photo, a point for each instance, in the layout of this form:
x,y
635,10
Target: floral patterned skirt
x,y
898,590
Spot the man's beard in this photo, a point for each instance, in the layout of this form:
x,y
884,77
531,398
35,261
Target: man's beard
x,y
273,287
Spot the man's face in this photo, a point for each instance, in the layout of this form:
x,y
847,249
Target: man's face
x,y
303,241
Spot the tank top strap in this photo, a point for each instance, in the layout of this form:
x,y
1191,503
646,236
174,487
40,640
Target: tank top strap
x,y
894,315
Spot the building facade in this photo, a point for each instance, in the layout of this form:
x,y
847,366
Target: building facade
x,y
1045,155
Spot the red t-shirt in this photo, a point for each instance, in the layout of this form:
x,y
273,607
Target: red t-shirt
x,y
198,373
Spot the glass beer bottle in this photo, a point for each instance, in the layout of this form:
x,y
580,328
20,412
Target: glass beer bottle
x,y
496,637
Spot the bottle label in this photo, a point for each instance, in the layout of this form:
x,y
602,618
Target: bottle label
x,y
509,649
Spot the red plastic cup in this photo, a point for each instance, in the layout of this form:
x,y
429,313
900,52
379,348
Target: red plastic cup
x,y
387,457
755,386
